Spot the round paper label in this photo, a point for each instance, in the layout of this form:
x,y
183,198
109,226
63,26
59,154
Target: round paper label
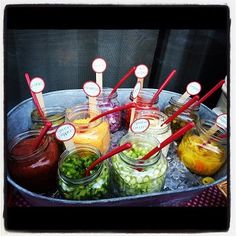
x,y
37,85
92,89
141,71
65,132
136,90
193,88
140,125
99,65
221,121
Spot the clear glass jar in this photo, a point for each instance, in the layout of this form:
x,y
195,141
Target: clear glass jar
x,y
156,118
34,170
131,176
73,184
181,120
200,153
95,133
54,114
143,101
106,104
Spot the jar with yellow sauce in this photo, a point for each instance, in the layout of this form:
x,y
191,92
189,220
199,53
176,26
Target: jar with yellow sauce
x,y
95,133
201,153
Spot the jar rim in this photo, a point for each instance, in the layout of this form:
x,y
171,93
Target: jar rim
x,y
144,92
22,136
174,101
106,92
156,114
73,112
52,110
201,126
138,162
85,179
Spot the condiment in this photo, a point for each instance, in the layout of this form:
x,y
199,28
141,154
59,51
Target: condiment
x,y
73,184
180,121
156,118
201,155
95,133
132,176
54,114
144,102
106,104
35,170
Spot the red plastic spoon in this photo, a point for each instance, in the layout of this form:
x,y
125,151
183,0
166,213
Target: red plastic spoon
x,y
168,79
170,139
122,80
27,77
207,95
127,106
184,107
109,154
43,132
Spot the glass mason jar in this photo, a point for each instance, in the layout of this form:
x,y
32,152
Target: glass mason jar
x,y
54,114
200,153
156,118
95,133
181,120
34,170
143,101
131,176
73,184
106,104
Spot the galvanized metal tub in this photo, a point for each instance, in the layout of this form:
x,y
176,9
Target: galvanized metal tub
x,y
18,121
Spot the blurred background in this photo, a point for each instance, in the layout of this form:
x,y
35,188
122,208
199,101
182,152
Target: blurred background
x,y
63,58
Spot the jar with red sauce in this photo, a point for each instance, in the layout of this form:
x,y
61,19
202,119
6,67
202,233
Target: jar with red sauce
x,y
35,170
143,102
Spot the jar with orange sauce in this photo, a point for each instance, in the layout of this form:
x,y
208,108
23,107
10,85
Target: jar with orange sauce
x,y
95,133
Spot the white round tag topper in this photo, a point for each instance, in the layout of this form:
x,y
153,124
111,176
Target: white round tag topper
x,y
194,88
65,132
37,85
92,89
221,121
99,65
136,90
140,125
141,71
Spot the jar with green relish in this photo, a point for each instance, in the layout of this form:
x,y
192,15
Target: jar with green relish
x,y
133,176
72,181
189,115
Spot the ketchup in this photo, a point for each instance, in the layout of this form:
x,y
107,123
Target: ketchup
x,y
35,170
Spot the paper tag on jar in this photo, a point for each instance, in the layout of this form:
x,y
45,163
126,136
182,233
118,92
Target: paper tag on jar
x,y
92,89
136,90
99,65
140,125
221,121
37,85
65,132
141,71
193,88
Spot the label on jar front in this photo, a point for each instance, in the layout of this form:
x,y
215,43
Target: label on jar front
x,y
99,65
221,121
193,88
141,71
65,132
140,125
37,85
92,89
